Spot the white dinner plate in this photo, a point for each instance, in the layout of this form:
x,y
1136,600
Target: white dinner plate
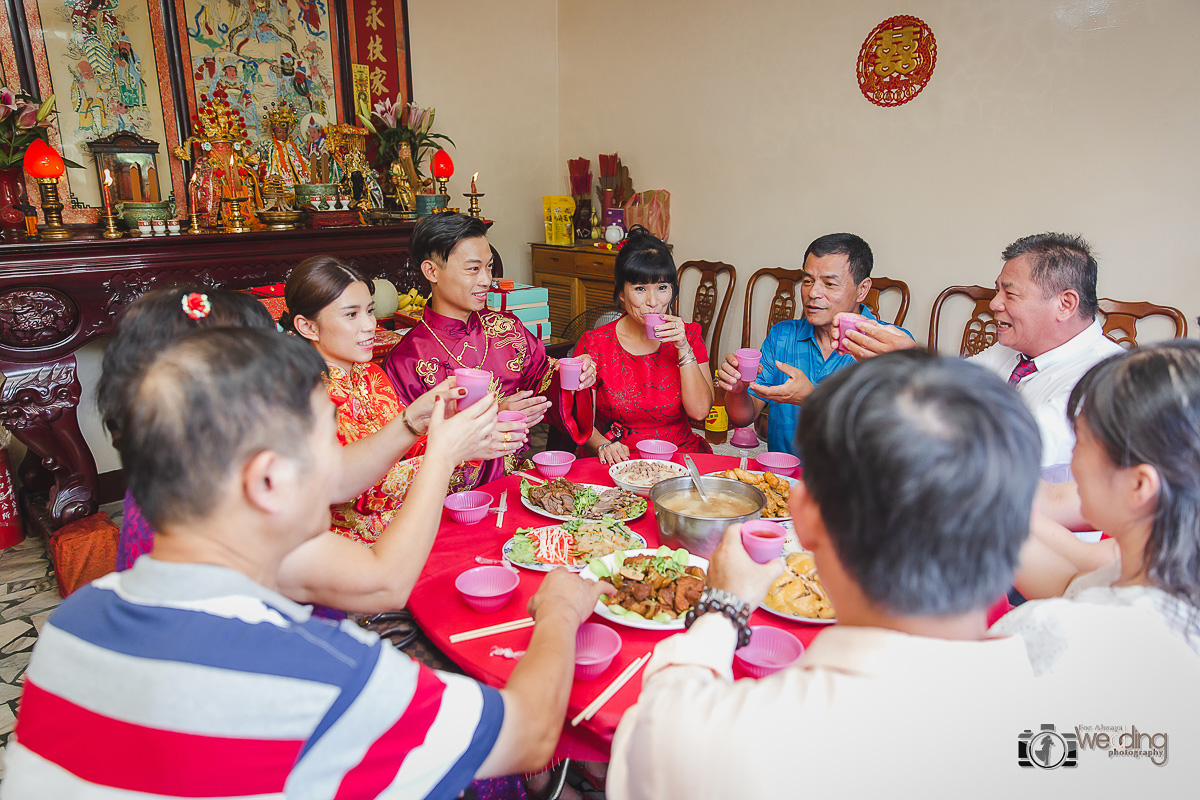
x,y
792,484
630,622
793,618
538,567
599,490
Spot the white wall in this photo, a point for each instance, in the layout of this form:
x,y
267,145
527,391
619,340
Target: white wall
x,y
1074,116
491,71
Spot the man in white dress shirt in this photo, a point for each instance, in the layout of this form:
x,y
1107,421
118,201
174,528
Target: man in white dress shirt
x,y
919,475
1049,335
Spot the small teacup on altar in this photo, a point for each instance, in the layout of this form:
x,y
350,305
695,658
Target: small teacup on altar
x,y
159,226
345,201
144,227
172,226
331,202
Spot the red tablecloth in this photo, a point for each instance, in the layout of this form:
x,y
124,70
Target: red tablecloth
x,y
441,611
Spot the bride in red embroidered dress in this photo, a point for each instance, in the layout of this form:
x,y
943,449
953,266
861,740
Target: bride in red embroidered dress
x,y
647,387
329,303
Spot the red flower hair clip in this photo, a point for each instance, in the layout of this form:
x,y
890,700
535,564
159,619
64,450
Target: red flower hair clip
x,y
196,305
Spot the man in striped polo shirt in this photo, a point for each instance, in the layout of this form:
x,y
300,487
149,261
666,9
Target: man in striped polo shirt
x,y
191,676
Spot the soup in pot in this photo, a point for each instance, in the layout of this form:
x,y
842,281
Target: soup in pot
x,y
719,505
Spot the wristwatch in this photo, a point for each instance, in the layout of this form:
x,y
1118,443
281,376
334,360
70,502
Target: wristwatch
x,y
728,604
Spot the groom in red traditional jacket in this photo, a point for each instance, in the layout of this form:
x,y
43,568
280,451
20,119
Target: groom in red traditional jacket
x,y
459,331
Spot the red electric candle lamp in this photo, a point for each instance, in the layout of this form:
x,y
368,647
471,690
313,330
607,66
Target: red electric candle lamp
x,y
442,167
46,166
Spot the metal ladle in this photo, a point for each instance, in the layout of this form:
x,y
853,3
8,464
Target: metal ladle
x,y
695,473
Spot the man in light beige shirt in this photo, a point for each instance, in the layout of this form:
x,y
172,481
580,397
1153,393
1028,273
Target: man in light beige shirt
x,y
919,477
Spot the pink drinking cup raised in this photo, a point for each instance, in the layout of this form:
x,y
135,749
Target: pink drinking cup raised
x,y
652,321
475,381
569,372
748,360
763,540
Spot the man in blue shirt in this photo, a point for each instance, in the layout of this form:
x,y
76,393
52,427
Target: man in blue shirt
x,y
798,354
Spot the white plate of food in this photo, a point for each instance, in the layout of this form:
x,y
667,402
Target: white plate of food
x,y
776,488
799,595
635,568
639,475
563,500
571,545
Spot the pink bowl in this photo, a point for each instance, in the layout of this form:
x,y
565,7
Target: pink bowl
x,y
554,463
657,449
784,464
770,650
468,508
596,646
744,437
487,589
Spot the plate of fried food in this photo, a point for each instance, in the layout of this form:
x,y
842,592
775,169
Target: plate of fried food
x,y
776,488
572,544
799,595
655,588
563,500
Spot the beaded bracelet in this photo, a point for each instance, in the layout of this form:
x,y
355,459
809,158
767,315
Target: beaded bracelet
x,y
730,605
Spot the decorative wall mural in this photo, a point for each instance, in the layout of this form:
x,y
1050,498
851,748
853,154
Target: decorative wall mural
x,y
896,61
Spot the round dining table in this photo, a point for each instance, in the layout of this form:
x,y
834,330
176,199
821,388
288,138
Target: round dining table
x,y
441,611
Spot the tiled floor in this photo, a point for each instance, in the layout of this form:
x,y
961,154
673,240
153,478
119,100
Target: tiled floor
x,y
27,596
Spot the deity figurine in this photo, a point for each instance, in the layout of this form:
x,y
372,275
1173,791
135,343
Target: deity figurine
x,y
402,192
222,159
280,154
347,146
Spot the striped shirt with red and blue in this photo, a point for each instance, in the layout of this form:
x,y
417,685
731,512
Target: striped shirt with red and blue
x,y
188,680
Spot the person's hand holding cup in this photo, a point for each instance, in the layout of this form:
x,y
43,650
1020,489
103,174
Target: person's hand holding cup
x,y
731,568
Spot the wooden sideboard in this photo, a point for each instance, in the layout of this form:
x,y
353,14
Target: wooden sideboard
x,y
57,296
576,279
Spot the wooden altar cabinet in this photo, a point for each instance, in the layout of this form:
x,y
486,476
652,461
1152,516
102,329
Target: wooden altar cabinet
x,y
57,296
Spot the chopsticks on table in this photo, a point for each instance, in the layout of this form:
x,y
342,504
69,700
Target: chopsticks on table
x,y
503,627
612,689
503,508
535,480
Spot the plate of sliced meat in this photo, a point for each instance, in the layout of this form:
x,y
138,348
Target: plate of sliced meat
x,y
563,500
655,588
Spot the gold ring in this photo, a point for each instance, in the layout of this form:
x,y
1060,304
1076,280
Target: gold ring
x,y
507,437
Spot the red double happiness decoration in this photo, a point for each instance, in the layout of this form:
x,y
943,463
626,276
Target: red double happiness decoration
x,y
896,61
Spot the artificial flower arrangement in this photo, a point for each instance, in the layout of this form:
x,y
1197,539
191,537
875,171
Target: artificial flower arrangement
x,y
23,119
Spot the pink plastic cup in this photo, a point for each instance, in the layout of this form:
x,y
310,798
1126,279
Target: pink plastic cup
x,y
841,323
487,589
656,449
784,464
512,416
596,646
763,540
652,321
744,437
475,381
553,463
770,650
468,508
569,372
748,361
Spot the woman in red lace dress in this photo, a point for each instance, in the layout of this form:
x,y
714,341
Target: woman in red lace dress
x,y
647,388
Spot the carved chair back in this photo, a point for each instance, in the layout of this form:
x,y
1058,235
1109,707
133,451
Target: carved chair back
x,y
784,303
705,305
980,331
881,285
1120,319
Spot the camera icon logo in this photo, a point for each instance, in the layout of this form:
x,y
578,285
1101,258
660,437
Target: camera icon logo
x,y
1047,748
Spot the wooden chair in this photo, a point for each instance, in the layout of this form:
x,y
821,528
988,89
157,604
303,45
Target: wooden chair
x,y
704,307
980,331
881,285
783,304
1120,319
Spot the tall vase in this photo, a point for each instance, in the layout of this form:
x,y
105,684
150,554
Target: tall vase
x,y
10,195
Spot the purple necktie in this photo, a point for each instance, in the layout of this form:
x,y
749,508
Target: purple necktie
x,y
1024,367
